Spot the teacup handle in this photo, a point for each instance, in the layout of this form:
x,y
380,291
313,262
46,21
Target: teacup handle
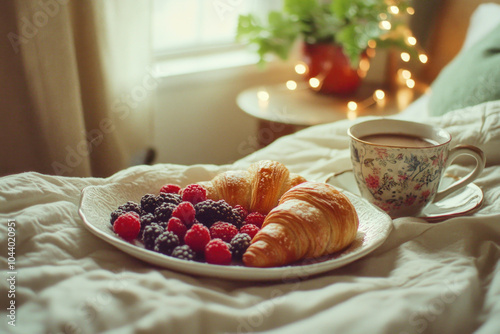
x,y
473,151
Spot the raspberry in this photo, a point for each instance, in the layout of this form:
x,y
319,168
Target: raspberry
x,y
168,198
170,189
184,252
164,212
148,203
176,226
239,244
255,218
209,212
250,229
197,237
194,193
151,232
146,220
217,252
224,231
166,242
185,212
127,226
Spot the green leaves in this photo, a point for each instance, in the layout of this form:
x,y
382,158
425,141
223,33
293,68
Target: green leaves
x,y
347,37
350,23
340,8
277,37
301,8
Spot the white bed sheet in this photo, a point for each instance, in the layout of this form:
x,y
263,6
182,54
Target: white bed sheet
x,y
433,278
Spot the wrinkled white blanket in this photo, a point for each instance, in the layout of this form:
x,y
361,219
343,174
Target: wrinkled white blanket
x,y
434,278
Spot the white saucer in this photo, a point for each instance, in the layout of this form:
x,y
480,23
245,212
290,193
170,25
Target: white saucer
x,y
461,202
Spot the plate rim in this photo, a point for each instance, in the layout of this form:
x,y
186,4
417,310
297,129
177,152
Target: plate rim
x,y
238,273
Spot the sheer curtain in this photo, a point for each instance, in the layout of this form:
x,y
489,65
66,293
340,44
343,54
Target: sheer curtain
x,y
75,85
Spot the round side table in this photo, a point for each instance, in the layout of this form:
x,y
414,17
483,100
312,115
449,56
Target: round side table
x,y
281,111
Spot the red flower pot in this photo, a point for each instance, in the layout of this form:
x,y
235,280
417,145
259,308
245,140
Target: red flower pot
x,y
329,64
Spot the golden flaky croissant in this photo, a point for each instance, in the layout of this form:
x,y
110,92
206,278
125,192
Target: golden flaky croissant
x,y
311,220
257,189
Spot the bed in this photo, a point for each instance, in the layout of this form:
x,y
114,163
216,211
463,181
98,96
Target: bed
x,y
426,276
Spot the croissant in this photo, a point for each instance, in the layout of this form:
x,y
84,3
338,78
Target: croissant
x,y
311,220
257,189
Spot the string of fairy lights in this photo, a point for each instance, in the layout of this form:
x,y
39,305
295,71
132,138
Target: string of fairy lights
x,y
404,76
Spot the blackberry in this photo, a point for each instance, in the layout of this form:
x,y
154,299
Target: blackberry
x,y
166,242
236,218
151,232
163,224
239,244
164,212
148,203
229,246
115,214
240,211
168,198
184,252
131,206
146,220
209,212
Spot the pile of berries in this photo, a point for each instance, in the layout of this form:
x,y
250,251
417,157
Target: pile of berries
x,y
184,224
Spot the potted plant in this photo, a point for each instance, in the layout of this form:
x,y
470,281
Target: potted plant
x,y
336,35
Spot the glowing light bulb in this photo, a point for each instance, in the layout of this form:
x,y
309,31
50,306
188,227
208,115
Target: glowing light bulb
x,y
291,85
371,53
314,82
364,64
352,114
382,16
394,9
300,68
263,95
352,105
410,83
406,74
385,25
405,56
412,40
410,10
423,58
372,43
379,94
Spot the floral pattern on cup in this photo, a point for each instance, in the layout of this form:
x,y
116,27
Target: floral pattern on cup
x,y
398,179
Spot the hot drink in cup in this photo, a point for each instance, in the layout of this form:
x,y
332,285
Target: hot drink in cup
x,y
398,165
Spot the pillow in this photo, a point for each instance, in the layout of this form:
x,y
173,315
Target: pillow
x,y
482,21
478,125
471,78
484,18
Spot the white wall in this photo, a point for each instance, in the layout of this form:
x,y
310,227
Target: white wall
x,y
197,119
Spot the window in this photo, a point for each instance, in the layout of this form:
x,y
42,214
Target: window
x,y
194,27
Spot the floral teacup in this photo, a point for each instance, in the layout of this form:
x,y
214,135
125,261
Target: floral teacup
x,y
398,165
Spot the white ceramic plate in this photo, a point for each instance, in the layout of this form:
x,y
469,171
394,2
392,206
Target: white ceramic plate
x,y
461,202
97,203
